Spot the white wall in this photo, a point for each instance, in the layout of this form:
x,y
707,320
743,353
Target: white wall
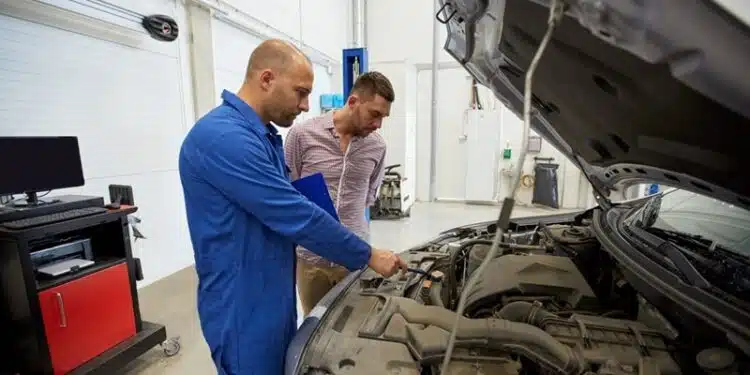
x,y
410,24
131,99
402,30
323,24
232,47
399,129
129,106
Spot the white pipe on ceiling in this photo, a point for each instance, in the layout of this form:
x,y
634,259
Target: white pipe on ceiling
x,y
74,21
359,30
434,99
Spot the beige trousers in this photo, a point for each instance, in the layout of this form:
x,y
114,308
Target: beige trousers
x,y
314,282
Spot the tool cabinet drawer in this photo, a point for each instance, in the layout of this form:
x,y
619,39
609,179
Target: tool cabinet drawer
x,y
87,316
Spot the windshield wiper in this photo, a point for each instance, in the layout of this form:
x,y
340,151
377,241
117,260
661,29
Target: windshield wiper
x,y
672,256
703,264
694,239
704,247
683,265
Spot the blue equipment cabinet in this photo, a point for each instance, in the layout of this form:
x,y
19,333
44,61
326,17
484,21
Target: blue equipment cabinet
x,y
354,63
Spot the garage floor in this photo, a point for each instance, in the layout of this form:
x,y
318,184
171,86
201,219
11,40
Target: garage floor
x,y
172,300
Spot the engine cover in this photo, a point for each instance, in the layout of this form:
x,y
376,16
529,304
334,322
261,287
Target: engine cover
x,y
531,275
615,346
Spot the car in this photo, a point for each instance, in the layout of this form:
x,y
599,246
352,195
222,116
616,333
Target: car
x,y
633,92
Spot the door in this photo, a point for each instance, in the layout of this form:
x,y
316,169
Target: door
x,y
451,147
87,316
483,135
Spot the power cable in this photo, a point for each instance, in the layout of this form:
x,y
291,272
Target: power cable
x,y
555,15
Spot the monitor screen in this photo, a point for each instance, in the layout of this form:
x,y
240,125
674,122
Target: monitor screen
x,y
37,164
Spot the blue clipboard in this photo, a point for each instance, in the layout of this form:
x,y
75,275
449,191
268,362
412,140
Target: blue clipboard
x,y
315,189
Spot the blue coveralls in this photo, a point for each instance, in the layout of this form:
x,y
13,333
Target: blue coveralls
x,y
245,218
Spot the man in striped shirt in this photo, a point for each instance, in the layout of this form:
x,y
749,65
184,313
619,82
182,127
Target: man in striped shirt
x,y
344,146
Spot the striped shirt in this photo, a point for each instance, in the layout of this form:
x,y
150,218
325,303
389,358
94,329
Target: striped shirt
x,y
353,177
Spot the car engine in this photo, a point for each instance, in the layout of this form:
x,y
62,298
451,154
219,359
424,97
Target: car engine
x,y
551,302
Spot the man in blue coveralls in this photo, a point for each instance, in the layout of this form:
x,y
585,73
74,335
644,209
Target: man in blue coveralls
x,y
245,218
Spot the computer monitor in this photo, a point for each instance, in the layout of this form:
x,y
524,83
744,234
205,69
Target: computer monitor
x,y
31,165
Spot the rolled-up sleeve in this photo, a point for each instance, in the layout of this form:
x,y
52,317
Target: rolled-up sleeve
x,y
238,165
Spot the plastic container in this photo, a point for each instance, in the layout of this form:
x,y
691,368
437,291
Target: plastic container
x,y
327,101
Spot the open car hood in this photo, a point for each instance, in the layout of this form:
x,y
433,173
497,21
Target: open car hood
x,y
633,91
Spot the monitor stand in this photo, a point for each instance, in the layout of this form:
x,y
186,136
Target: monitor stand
x,y
31,201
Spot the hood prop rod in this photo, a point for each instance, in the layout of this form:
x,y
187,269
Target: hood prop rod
x,y
555,16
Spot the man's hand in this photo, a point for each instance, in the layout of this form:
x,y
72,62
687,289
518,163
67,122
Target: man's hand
x,y
386,262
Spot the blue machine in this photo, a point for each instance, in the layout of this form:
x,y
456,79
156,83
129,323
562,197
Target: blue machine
x,y
354,62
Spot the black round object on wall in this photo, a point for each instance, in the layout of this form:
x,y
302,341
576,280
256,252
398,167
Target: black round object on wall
x,y
161,27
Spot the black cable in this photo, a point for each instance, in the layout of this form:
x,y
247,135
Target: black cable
x,y
120,8
113,10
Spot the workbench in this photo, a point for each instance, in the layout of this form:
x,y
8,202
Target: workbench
x,y
87,321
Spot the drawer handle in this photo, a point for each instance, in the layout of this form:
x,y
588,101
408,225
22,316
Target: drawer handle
x,y
61,306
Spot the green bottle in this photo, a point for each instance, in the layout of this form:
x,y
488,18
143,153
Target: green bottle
x,y
507,151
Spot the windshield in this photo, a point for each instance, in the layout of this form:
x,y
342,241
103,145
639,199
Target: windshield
x,y
704,240
718,223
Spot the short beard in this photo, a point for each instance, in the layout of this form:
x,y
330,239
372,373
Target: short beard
x,y
284,125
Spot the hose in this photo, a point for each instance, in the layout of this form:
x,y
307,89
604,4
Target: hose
x,y
555,15
526,312
464,245
436,297
454,260
519,338
527,181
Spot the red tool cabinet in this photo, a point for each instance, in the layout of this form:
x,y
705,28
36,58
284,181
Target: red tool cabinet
x,y
87,316
85,322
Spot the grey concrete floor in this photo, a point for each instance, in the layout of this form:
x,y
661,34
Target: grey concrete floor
x,y
172,300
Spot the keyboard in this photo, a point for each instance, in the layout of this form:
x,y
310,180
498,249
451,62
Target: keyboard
x,y
53,218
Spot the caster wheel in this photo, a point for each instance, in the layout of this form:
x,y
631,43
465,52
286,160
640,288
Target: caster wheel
x,y
171,347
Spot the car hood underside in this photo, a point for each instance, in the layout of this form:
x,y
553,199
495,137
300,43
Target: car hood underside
x,y
633,91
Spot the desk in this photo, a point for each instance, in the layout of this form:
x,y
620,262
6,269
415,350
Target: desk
x,y
85,322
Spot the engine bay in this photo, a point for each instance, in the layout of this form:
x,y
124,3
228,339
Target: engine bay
x,y
551,302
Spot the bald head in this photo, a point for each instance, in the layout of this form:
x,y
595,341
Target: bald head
x,y
277,55
278,82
